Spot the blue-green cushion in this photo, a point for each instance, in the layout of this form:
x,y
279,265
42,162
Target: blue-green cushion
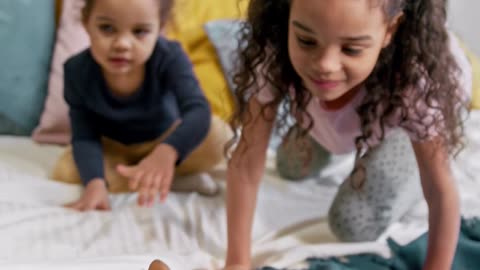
x,y
27,29
224,35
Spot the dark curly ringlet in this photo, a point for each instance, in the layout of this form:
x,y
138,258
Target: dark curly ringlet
x,y
166,7
418,54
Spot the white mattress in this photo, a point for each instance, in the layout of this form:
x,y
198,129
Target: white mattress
x,y
188,231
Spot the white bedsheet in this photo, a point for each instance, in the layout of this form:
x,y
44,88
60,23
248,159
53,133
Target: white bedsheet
x,y
188,231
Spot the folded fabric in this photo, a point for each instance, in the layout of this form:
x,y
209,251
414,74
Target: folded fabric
x,y
407,257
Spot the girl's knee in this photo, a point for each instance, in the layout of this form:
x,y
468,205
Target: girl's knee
x,y
353,225
298,158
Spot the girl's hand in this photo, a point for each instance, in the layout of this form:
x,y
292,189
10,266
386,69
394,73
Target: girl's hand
x,y
152,175
94,197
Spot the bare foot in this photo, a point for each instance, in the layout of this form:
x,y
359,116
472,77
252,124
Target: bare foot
x,y
158,265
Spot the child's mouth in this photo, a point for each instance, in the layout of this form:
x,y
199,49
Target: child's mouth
x,y
119,61
326,84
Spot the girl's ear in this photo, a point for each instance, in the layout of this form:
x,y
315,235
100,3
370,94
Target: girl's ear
x,y
392,29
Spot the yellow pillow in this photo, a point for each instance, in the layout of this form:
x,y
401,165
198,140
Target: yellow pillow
x,y
187,27
476,79
473,59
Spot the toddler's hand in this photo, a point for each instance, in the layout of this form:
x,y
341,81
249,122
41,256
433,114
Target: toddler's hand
x,y
152,175
94,197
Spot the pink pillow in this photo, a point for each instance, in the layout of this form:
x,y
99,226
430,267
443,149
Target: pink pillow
x,y
54,126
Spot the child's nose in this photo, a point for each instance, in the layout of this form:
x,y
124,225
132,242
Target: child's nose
x,y
122,43
327,61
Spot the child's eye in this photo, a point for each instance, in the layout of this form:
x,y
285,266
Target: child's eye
x,y
306,42
141,32
351,51
106,28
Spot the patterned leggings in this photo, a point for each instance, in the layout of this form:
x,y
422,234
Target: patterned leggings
x,y
370,199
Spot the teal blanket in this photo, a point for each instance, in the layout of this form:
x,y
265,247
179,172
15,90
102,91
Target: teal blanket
x,y
408,257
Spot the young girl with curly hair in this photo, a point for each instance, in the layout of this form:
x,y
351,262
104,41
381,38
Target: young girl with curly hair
x,y
383,78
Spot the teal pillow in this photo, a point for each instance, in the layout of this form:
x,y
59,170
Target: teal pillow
x,y
27,33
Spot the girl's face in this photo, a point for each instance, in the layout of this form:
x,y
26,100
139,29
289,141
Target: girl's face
x,y
123,33
334,44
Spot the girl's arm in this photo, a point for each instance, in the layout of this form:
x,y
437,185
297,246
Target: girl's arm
x,y
443,203
245,170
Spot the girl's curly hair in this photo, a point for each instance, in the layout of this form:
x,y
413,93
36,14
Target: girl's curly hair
x,y
419,54
166,7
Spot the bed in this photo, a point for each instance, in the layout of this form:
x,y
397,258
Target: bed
x,y
188,231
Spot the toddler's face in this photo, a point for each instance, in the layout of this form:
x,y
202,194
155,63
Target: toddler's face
x,y
123,33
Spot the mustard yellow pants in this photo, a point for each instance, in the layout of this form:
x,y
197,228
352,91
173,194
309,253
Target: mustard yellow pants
x,y
208,154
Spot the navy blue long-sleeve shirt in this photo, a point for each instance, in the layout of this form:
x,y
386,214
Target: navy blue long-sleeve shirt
x,y
170,92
